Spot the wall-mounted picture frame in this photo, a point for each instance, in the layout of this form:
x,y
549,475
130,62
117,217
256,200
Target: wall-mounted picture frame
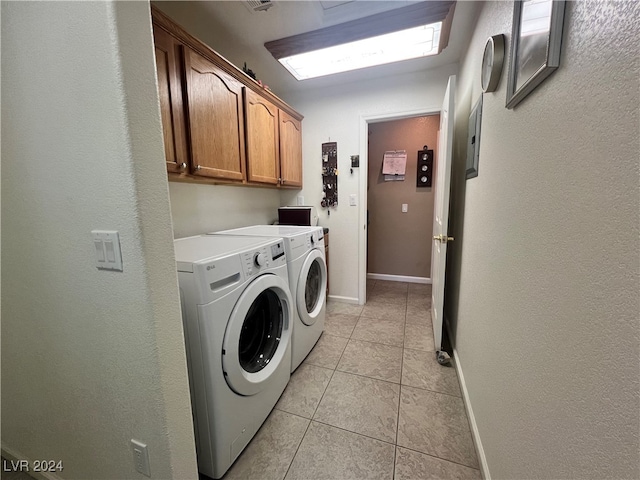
x,y
473,139
536,42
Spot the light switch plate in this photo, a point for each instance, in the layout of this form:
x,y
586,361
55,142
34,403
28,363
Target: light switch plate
x,y
352,199
405,207
107,249
141,457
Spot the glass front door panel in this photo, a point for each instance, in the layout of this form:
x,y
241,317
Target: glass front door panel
x,y
261,332
313,286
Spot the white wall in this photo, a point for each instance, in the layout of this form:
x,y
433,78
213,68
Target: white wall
x,y
90,359
543,278
335,115
197,209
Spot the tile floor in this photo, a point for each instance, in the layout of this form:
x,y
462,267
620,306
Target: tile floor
x,y
369,402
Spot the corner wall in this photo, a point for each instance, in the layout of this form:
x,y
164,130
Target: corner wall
x,y
90,359
543,278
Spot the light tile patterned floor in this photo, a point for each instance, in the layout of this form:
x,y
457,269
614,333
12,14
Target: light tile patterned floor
x,y
369,402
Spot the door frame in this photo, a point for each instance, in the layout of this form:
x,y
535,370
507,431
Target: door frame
x,y
365,120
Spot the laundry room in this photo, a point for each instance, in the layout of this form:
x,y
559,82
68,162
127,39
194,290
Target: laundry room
x,y
222,261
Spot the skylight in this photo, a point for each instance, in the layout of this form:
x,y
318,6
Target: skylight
x,y
406,44
414,31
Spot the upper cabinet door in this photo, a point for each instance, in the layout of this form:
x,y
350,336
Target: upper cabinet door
x,y
290,150
216,120
171,107
262,139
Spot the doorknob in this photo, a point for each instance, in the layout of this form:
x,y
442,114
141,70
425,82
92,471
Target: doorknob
x,y
443,238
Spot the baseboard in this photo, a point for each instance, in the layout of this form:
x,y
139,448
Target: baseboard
x,y
398,278
337,298
482,459
13,455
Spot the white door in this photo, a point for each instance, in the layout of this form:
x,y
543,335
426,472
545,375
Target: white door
x,y
441,213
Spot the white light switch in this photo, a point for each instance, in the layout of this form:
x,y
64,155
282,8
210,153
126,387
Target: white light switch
x,y
352,199
99,244
405,207
111,254
107,246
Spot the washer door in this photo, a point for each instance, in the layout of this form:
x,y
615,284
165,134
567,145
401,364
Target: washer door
x,y
258,334
312,287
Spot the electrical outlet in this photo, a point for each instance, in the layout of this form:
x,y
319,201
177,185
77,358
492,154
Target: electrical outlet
x,y
141,457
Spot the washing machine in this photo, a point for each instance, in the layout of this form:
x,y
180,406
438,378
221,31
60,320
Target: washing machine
x,y
237,311
307,279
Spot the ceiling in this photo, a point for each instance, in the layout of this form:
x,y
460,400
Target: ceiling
x,y
238,33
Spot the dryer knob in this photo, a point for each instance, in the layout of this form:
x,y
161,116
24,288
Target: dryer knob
x,y
260,259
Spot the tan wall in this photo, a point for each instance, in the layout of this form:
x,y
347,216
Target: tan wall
x,y
399,243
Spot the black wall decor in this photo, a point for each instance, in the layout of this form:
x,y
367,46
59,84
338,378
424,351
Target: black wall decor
x,y
329,175
425,167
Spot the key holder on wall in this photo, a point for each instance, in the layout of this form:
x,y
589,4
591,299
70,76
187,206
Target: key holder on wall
x,y
329,175
425,167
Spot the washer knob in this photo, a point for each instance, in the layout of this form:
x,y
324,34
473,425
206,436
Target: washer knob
x,y
260,259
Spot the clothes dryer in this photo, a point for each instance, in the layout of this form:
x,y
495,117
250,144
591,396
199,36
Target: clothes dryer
x,y
307,280
237,314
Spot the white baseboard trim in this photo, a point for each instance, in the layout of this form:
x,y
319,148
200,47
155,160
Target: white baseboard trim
x,y
398,278
482,459
15,456
337,298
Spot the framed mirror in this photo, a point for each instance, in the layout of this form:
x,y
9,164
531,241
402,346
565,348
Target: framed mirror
x,y
536,41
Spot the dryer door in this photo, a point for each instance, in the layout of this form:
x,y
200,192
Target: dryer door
x,y
258,333
312,287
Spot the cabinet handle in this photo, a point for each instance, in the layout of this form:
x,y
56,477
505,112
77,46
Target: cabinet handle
x,y
183,165
198,167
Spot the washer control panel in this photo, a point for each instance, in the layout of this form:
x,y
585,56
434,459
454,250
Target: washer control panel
x,y
277,250
257,260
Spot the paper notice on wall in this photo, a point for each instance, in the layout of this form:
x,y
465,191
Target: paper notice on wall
x,y
394,165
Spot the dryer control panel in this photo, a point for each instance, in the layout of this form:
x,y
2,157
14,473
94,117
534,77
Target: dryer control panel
x,y
314,240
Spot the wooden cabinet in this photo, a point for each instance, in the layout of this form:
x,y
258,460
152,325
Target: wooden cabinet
x,y
290,150
220,125
216,120
167,51
262,140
